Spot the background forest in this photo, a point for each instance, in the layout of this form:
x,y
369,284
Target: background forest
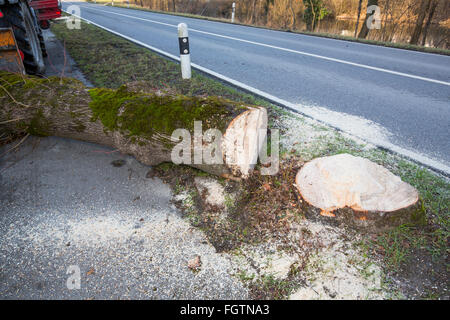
x,y
420,22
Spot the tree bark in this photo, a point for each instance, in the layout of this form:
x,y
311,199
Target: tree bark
x,y
364,29
357,19
313,11
291,6
136,120
355,192
431,12
253,16
424,6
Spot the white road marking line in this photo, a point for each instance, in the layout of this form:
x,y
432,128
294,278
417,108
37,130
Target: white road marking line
x,y
288,50
419,158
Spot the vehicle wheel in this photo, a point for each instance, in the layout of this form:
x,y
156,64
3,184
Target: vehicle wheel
x,y
42,43
39,33
21,19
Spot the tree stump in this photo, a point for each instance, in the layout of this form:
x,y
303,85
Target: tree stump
x,y
353,191
136,120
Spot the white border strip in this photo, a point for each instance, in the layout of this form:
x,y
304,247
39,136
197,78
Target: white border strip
x,y
402,74
421,159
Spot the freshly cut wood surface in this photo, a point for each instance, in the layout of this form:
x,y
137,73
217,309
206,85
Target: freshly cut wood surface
x,y
369,194
243,140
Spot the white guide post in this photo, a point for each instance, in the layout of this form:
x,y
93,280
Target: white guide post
x,y
232,12
185,54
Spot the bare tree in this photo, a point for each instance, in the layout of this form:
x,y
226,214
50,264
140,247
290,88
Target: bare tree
x,y
424,6
431,12
365,29
174,5
359,14
291,7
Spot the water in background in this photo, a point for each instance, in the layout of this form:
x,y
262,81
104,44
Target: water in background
x,y
438,36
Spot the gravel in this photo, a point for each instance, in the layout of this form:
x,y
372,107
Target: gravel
x,y
63,203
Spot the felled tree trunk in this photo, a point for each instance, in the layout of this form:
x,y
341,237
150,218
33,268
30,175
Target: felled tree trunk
x,y
134,119
353,191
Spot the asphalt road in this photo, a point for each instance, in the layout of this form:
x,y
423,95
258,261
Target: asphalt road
x,y
394,98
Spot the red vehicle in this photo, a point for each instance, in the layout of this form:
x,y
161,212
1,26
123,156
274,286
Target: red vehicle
x,y
46,10
27,19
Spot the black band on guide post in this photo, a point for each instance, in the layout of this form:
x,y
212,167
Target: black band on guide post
x,y
184,45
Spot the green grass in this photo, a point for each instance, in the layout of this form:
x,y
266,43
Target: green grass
x,y
269,287
398,45
397,245
435,197
109,61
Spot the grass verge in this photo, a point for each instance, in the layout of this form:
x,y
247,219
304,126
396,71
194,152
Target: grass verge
x,y
109,61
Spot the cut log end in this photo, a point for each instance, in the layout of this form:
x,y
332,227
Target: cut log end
x,y
243,140
354,191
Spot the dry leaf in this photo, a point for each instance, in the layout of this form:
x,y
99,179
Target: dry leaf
x,y
195,263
